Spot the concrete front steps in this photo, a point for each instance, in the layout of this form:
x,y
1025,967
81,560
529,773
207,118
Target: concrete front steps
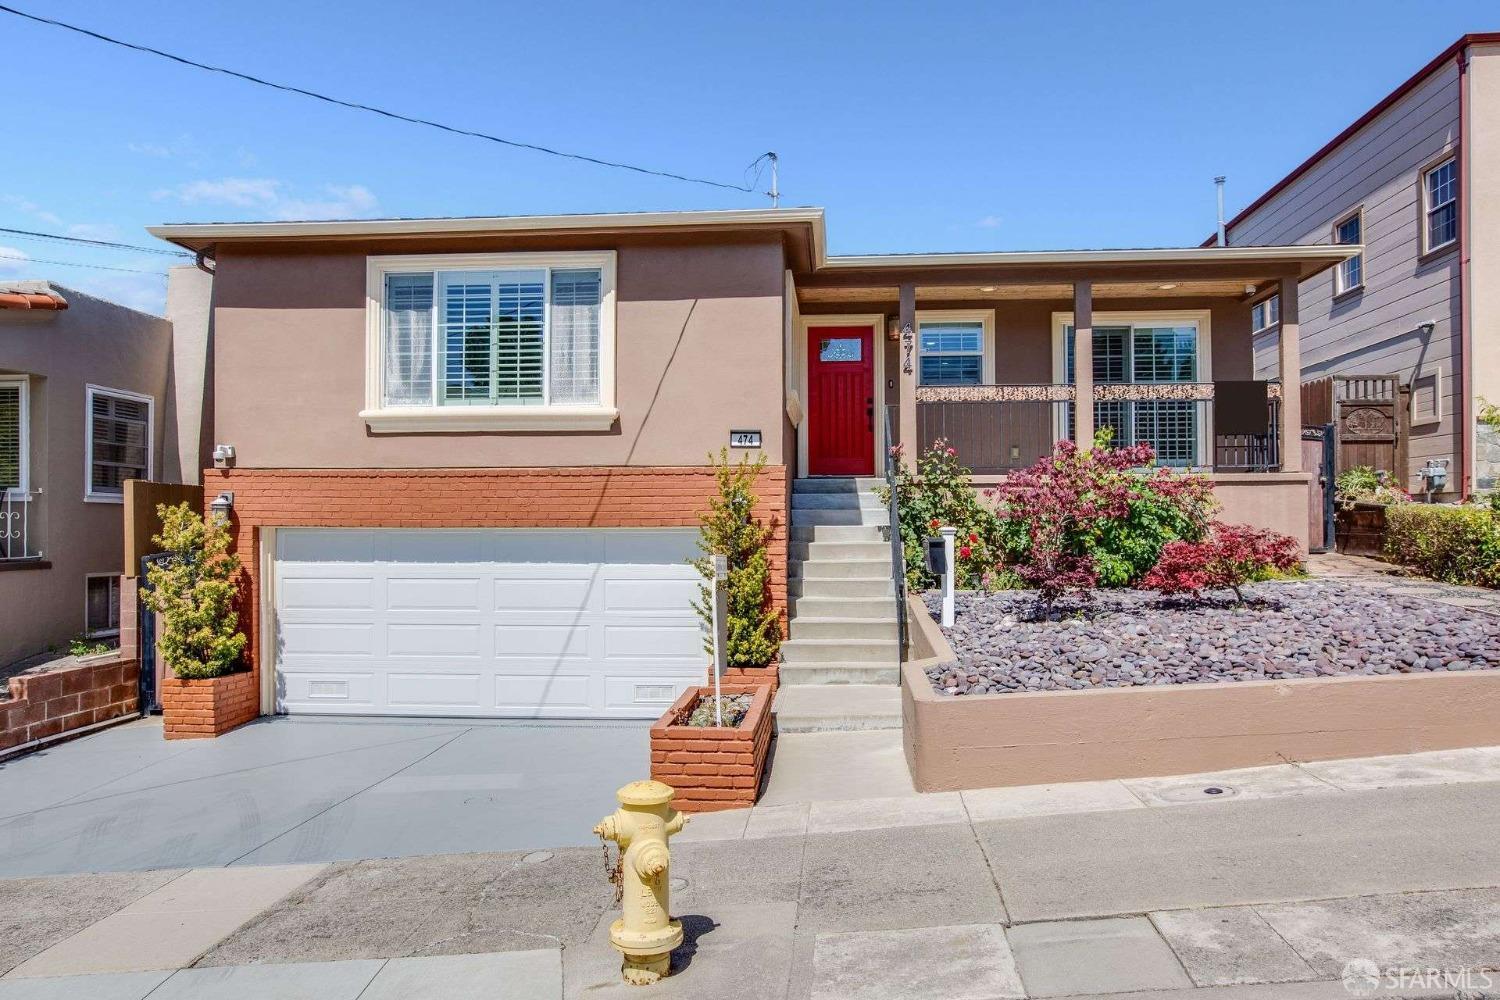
x,y
839,664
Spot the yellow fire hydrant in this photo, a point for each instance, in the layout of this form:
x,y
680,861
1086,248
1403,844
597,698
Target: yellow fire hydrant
x,y
645,933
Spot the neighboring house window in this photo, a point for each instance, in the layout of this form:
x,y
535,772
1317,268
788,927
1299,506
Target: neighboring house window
x,y
13,436
1440,200
951,347
525,331
101,604
118,441
1265,314
1350,274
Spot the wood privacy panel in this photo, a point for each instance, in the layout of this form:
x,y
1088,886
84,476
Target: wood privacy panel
x,y
141,521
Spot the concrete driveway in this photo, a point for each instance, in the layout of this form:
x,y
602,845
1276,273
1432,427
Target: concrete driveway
x,y
302,790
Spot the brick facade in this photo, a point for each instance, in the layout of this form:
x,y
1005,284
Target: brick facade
x,y
590,497
48,704
208,706
713,769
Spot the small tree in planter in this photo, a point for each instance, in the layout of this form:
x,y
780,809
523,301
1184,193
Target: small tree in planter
x,y
194,592
1231,556
730,529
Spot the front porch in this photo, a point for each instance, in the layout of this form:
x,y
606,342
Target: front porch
x,y
994,353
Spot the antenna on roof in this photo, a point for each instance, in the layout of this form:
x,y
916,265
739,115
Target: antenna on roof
x,y
775,191
1219,185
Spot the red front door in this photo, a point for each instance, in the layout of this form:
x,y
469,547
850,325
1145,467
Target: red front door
x,y
840,401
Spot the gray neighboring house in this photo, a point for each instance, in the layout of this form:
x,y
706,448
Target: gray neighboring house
x,y
88,399
1416,179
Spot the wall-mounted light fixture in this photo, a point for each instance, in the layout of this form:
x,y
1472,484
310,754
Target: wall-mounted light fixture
x,y
223,454
222,505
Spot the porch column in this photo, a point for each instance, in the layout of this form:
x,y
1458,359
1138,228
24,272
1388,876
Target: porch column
x,y
907,351
1289,355
1083,363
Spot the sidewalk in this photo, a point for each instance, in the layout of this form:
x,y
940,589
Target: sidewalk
x,y
1266,891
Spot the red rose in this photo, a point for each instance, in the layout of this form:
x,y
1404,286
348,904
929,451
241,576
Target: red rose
x,y
973,537
934,524
964,552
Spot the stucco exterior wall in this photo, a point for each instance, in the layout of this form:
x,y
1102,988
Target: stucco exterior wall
x,y
1482,220
699,352
190,311
1378,330
92,341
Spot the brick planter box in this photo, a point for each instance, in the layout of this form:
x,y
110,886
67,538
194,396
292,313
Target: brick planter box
x,y
49,704
713,768
206,707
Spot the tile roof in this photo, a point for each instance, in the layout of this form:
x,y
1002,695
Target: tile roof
x,y
30,295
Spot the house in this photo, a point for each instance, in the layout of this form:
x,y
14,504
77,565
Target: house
x,y
84,405
466,456
1416,181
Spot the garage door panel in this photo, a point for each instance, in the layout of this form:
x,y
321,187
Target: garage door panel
x,y
330,690
326,545
405,593
327,592
327,639
656,597
528,623
433,690
659,641
553,642
433,640
541,693
644,695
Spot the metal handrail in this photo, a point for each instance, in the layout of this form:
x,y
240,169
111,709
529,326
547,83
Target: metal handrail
x,y
898,550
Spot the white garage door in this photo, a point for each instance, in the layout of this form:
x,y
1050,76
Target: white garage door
x,y
487,622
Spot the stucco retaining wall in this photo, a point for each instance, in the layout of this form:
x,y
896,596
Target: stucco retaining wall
x,y
981,741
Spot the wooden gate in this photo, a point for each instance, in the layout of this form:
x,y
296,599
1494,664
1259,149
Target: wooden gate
x,y
1368,414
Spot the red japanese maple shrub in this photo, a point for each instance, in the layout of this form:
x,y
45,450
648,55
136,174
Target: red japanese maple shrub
x,y
1231,556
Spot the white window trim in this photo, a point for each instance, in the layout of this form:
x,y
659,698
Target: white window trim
x,y
985,317
1427,206
98,633
383,419
1267,303
1339,288
23,490
90,390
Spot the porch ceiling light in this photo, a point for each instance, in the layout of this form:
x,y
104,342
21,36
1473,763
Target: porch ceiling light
x,y
1167,286
989,288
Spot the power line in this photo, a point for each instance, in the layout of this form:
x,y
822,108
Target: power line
x,y
68,263
93,243
353,105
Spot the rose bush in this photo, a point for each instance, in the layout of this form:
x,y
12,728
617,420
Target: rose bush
x,y
937,494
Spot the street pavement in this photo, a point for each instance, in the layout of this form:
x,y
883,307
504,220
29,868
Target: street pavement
x,y
1294,883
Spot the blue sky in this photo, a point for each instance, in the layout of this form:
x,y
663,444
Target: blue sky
x,y
927,127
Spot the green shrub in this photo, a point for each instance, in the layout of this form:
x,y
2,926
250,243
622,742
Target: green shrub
x,y
729,528
84,646
938,494
194,592
1453,544
1363,484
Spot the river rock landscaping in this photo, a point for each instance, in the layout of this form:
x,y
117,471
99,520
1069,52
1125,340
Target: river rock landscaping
x,y
1130,638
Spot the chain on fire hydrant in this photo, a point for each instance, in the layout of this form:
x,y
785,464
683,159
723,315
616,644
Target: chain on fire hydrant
x,y
645,933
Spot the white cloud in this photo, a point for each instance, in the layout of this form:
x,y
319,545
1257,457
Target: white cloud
x,y
13,260
989,222
270,198
31,208
94,231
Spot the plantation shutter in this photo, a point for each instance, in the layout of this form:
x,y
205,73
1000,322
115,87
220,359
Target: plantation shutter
x,y
520,337
408,340
11,441
118,442
468,354
574,376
